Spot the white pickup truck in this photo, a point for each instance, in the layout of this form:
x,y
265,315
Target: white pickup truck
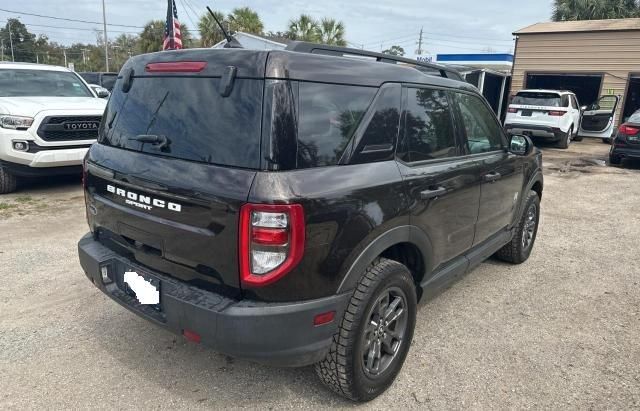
x,y
49,117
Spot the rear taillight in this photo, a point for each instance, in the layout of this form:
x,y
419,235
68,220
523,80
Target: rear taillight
x,y
271,242
176,67
628,130
512,110
85,171
557,113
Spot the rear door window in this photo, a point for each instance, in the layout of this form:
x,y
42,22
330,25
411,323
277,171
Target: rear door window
x,y
190,118
428,126
537,99
328,116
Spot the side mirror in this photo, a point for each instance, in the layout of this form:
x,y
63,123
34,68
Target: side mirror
x,y
102,92
583,108
520,145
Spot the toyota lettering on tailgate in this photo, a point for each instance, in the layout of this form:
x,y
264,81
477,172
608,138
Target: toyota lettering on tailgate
x,y
142,201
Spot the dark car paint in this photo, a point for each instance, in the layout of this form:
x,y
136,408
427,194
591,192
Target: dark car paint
x,y
352,212
621,147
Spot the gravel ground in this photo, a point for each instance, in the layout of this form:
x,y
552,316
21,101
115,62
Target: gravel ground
x,y
560,331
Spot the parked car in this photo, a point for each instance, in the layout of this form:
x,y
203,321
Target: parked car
x,y
48,119
546,114
103,79
301,221
100,91
627,142
598,118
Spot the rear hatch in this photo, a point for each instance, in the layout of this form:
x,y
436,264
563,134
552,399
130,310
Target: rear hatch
x,y
536,108
177,152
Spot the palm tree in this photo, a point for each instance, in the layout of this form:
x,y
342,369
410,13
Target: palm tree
x,y
304,28
246,20
568,10
331,32
210,33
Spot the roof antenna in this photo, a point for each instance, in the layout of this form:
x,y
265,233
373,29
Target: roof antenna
x,y
232,43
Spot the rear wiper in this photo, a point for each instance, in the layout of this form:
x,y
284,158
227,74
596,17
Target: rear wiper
x,y
160,141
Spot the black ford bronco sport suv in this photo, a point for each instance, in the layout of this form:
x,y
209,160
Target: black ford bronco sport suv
x,y
293,208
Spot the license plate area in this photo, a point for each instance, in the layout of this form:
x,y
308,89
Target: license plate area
x,y
526,113
142,287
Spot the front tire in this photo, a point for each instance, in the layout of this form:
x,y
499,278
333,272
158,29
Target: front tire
x,y
518,250
373,339
8,181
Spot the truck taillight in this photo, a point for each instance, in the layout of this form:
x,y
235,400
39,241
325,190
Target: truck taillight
x,y
85,170
271,242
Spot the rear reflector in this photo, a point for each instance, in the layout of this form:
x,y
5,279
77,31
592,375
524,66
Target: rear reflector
x,y
191,336
557,113
324,318
176,67
629,130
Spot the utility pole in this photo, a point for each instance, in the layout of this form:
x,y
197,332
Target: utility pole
x,y
419,51
11,41
2,49
84,59
64,52
106,38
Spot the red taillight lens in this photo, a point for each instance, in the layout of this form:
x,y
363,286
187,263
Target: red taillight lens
x,y
176,67
557,113
629,130
512,110
271,242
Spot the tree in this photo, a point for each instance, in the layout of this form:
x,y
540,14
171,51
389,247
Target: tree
x,y
304,28
330,31
246,20
568,10
152,36
210,33
394,51
23,41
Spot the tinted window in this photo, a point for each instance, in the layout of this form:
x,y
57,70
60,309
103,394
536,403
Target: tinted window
x,y
484,134
428,127
91,78
197,122
41,83
108,81
537,99
328,116
379,139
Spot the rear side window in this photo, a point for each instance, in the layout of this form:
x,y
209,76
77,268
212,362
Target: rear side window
x,y
328,116
428,126
483,131
190,119
537,99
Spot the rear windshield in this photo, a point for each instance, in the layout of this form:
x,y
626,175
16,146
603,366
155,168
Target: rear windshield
x,y
635,117
41,83
538,99
187,118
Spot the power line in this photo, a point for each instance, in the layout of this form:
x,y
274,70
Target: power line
x,y
66,19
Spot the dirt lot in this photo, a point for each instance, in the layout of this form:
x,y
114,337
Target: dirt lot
x,y
561,331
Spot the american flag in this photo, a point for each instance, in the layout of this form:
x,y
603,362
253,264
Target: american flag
x,y
172,36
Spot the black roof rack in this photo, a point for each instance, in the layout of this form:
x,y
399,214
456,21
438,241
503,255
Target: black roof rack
x,y
427,68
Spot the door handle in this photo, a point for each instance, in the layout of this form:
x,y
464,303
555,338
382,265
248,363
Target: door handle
x,y
436,192
491,177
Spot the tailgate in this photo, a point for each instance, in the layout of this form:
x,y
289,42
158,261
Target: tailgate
x,y
171,215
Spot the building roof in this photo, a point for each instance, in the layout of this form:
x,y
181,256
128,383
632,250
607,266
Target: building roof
x,y
581,26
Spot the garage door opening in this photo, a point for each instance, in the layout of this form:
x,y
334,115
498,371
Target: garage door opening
x,y
632,99
586,87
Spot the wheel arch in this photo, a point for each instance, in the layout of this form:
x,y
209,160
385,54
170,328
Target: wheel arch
x,y
406,244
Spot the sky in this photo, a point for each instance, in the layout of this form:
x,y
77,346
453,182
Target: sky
x,y
449,26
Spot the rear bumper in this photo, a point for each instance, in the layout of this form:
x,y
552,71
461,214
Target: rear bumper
x,y
625,152
280,334
548,132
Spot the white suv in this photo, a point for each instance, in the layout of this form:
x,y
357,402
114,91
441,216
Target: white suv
x,y
48,119
549,114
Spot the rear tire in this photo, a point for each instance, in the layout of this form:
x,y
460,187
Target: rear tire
x,y
615,160
518,250
8,182
606,140
375,334
566,140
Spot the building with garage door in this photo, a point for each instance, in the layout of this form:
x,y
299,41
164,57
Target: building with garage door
x,y
591,58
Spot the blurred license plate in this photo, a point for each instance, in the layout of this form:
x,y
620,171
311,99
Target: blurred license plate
x,y
527,113
146,290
